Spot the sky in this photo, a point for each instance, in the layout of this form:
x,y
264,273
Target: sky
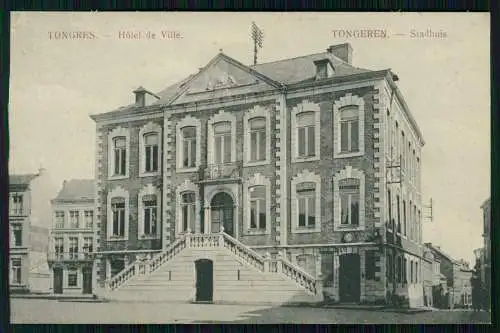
x,y
55,84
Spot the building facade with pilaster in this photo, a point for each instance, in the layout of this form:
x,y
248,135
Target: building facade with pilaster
x,y
72,238
309,157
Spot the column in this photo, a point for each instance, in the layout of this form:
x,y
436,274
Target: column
x,y
207,220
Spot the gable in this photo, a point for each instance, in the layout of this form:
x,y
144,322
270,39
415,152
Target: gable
x,y
222,77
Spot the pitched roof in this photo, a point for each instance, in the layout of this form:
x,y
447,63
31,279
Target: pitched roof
x,y
441,252
22,179
286,71
77,189
300,69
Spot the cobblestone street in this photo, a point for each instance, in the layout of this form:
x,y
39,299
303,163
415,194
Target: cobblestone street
x,y
53,311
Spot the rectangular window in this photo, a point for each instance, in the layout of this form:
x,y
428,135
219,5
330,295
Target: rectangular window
x,y
88,244
72,278
59,246
118,211
398,213
257,139
89,219
188,209
389,209
306,134
151,141
306,207
370,265
411,272
120,156
257,207
73,247
349,203
390,268
17,204
16,277
223,137
399,270
150,209
405,271
59,219
189,147
349,129
17,233
404,217
74,219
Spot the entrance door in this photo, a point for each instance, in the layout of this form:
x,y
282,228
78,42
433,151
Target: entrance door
x,y
58,280
87,280
222,213
349,278
204,280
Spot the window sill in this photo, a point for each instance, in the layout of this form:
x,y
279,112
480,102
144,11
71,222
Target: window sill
x,y
342,227
256,163
302,230
186,170
149,237
252,232
116,239
118,177
297,159
149,174
347,155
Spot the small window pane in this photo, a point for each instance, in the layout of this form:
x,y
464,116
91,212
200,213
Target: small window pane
x,y
189,132
311,142
222,127
258,123
344,136
349,112
120,142
151,139
354,136
302,141
305,119
258,192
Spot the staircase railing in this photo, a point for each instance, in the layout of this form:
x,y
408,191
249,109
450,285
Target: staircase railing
x,y
240,250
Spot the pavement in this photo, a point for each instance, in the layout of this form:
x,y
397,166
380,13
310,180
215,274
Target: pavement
x,y
44,311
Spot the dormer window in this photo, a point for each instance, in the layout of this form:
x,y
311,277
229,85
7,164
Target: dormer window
x,y
324,69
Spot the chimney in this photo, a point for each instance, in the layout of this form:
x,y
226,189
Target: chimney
x,y
140,96
342,51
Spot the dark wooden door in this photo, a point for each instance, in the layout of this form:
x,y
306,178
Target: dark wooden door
x,y
204,280
87,280
349,278
222,213
58,280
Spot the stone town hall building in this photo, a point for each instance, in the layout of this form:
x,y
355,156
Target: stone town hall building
x,y
310,166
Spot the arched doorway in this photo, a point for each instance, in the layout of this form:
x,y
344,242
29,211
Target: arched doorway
x,y
222,213
204,280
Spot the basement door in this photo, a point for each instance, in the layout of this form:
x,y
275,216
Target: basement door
x,y
87,280
350,278
204,280
58,280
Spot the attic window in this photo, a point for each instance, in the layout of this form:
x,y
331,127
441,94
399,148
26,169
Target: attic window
x,y
324,69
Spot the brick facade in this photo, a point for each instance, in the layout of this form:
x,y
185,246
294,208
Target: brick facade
x,y
320,250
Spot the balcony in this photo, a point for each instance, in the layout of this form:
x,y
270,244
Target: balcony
x,y
69,256
218,172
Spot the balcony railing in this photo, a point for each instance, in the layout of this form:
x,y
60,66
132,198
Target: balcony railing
x,y
68,256
222,171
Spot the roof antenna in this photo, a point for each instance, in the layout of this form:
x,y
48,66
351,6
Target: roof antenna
x,y
257,37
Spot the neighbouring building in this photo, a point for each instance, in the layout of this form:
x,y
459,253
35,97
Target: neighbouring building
x,y
485,263
462,289
29,218
452,276
72,238
430,276
309,159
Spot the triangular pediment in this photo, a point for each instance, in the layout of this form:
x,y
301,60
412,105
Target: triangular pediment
x,y
222,76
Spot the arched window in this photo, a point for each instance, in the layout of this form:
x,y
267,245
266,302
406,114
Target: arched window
x,y
306,134
151,151
257,207
222,142
120,156
188,134
349,129
258,139
188,210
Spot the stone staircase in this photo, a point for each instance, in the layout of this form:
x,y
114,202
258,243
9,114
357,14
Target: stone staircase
x,y
240,275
